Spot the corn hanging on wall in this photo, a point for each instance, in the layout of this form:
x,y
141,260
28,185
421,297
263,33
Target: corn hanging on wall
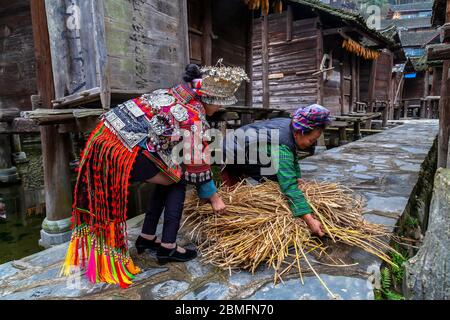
x,y
356,48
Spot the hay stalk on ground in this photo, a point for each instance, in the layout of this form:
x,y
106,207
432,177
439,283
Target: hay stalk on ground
x,y
259,228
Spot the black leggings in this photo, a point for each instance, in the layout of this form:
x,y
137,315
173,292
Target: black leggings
x,y
169,199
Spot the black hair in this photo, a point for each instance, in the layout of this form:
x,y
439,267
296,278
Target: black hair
x,y
192,72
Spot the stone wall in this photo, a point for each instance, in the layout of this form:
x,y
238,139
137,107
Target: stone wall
x,y
418,206
428,273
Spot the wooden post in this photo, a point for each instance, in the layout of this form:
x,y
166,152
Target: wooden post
x,y
56,147
358,69
184,20
444,117
207,33
249,60
372,83
343,136
321,145
289,23
265,61
444,107
426,93
102,56
357,131
405,109
385,115
448,155
342,87
319,57
354,95
391,85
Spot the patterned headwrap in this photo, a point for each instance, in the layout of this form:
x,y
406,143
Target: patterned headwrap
x,y
310,117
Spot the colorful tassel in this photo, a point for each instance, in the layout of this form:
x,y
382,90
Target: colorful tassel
x,y
91,272
99,218
68,262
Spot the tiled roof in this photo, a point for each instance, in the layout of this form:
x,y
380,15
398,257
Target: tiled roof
x,y
412,6
346,17
422,63
419,38
424,22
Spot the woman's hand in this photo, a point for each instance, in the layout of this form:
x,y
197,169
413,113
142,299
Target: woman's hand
x,y
314,225
217,204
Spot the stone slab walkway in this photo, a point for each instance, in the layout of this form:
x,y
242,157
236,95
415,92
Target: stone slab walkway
x,y
383,168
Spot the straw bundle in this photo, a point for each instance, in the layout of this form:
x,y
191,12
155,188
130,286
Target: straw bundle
x,y
259,227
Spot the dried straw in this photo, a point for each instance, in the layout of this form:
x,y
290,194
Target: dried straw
x,y
259,228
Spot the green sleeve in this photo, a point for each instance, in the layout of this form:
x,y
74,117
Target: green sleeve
x,y
288,173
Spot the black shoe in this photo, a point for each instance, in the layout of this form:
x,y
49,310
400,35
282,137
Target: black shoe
x,y
172,255
142,244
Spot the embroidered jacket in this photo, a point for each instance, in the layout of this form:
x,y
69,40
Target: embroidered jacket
x,y
161,121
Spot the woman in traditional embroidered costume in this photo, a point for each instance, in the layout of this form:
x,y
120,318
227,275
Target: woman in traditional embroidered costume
x,y
134,142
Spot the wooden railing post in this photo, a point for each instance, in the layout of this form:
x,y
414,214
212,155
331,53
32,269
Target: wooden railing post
x,y
56,147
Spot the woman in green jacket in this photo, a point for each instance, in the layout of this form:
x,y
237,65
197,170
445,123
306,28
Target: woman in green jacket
x,y
281,139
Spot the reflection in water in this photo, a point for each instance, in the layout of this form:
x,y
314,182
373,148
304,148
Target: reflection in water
x,y
23,206
19,229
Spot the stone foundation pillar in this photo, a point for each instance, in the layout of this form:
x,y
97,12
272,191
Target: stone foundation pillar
x,y
18,155
56,149
8,173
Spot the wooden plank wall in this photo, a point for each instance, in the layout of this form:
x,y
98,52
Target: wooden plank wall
x,y
364,79
383,77
128,47
336,88
17,61
288,58
437,81
72,43
414,88
146,43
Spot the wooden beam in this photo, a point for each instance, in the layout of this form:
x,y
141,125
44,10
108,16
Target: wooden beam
x,y
44,73
354,81
18,126
78,99
444,105
207,33
283,43
289,23
101,47
57,116
184,20
446,26
319,57
373,80
8,115
56,148
342,88
265,58
249,60
334,31
347,30
439,52
444,117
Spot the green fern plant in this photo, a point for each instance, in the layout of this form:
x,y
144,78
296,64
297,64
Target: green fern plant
x,y
398,269
412,222
386,282
385,279
392,295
